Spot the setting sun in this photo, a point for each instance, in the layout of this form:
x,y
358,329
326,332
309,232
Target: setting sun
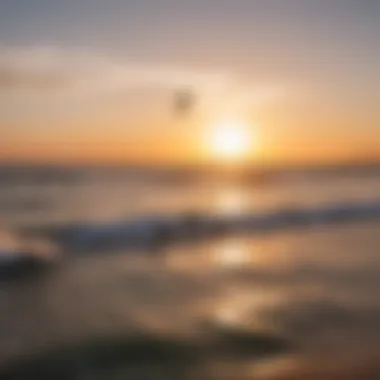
x,y
232,141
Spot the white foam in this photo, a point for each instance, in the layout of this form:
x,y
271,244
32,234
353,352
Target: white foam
x,y
158,229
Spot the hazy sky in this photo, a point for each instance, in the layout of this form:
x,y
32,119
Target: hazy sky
x,y
94,79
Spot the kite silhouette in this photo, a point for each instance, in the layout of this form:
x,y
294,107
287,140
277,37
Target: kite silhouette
x,y
184,103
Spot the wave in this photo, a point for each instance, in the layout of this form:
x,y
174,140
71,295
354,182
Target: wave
x,y
167,228
166,357
32,248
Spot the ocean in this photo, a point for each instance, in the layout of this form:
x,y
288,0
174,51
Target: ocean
x,y
167,274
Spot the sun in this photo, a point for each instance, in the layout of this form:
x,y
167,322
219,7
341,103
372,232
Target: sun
x,y
231,141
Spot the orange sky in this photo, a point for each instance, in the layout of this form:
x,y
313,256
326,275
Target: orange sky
x,y
301,75
186,147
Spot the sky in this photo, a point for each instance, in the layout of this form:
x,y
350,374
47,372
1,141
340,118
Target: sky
x,y
94,81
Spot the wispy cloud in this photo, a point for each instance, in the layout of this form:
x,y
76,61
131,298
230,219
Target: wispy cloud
x,y
71,76
32,66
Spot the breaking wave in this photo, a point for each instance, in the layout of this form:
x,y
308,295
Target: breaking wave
x,y
163,229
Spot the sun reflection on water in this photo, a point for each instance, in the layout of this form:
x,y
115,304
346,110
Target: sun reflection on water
x,y
244,308
235,253
231,201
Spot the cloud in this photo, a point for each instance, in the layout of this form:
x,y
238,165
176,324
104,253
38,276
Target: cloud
x,y
33,69
11,78
56,81
40,67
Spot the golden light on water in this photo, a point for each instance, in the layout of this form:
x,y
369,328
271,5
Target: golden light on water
x,y
242,306
235,254
231,141
228,316
231,201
